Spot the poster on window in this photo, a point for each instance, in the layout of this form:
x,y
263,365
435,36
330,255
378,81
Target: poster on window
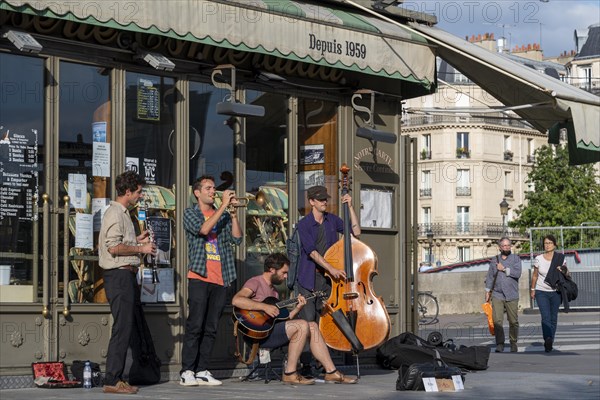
x,y
312,154
149,172
99,131
18,173
132,164
376,207
161,230
148,101
312,178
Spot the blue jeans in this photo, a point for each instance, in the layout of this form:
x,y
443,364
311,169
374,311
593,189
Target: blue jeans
x,y
548,303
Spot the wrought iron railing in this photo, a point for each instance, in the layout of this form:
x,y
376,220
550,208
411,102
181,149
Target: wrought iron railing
x,y
493,230
443,119
508,193
425,192
463,191
530,158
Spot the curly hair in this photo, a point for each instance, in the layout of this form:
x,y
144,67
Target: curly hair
x,y
276,261
128,180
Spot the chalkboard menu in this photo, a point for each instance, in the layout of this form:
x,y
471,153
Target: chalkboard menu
x,y
18,174
148,100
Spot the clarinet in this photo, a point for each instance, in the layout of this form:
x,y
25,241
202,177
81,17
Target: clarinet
x,y
149,258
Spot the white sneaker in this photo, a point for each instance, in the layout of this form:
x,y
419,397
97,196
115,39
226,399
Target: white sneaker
x,y
206,378
188,379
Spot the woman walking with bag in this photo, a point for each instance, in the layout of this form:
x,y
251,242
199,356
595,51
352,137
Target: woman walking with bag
x,y
548,298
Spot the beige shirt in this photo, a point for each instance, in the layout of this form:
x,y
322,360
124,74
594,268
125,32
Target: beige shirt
x,y
117,228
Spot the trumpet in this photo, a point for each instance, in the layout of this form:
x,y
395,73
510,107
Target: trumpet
x,y
260,199
242,201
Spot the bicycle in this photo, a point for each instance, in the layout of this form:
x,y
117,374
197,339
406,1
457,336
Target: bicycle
x,y
429,308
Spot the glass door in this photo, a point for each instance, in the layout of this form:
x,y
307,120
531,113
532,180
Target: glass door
x,y
21,177
267,182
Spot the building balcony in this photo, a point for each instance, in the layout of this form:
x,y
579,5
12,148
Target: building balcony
x,y
425,192
470,229
463,191
508,193
508,155
450,120
463,152
530,159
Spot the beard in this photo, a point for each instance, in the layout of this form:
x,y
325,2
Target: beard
x,y
505,252
275,280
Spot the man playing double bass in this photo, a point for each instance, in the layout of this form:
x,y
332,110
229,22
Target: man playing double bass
x,y
318,232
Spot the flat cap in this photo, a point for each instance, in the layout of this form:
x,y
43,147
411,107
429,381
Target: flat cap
x,y
318,193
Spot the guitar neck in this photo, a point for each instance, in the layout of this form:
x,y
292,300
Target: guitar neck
x,y
289,302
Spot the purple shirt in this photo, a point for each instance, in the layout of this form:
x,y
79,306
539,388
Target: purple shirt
x,y
308,229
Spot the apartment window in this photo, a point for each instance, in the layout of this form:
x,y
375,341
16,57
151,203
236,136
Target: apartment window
x,y
462,145
464,254
425,190
508,191
508,154
462,219
463,185
586,81
530,151
426,149
426,217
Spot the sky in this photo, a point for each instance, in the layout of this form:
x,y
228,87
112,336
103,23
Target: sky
x,y
551,22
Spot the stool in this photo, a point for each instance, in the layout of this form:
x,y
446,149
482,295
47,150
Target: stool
x,y
262,362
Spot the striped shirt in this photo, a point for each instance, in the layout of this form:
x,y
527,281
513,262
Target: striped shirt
x,y
193,219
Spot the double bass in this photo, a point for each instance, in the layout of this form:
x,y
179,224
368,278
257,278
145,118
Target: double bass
x,y
352,299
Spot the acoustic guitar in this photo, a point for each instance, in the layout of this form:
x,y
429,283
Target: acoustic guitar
x,y
258,324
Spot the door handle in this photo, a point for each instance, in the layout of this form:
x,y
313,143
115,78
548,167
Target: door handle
x,y
45,254
66,311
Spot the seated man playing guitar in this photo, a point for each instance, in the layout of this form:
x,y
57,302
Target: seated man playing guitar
x,y
294,332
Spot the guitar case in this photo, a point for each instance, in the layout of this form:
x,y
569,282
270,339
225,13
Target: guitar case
x,y
407,349
411,377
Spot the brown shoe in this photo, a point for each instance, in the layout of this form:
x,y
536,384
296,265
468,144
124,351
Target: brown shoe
x,y
295,378
337,377
121,388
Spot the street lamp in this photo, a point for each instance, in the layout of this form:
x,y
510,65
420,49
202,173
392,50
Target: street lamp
x,y
430,241
504,212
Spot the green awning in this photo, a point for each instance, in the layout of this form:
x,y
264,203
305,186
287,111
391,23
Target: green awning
x,y
560,105
296,30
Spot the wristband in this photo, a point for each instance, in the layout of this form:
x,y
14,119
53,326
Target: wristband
x,y
532,289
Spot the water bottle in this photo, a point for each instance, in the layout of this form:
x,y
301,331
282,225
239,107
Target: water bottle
x,y
87,376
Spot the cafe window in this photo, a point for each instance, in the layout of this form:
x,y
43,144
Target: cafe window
x,y
84,170
266,181
211,146
318,161
150,150
22,124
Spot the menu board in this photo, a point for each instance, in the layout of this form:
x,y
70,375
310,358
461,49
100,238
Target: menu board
x,y
148,102
18,173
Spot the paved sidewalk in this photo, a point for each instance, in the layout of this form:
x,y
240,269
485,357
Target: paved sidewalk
x,y
374,384
525,375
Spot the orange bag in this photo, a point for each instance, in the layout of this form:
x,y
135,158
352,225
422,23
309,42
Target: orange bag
x,y
487,309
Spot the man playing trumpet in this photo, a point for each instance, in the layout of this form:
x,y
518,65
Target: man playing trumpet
x,y
210,232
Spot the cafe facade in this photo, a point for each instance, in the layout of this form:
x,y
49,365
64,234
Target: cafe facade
x,y
269,97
